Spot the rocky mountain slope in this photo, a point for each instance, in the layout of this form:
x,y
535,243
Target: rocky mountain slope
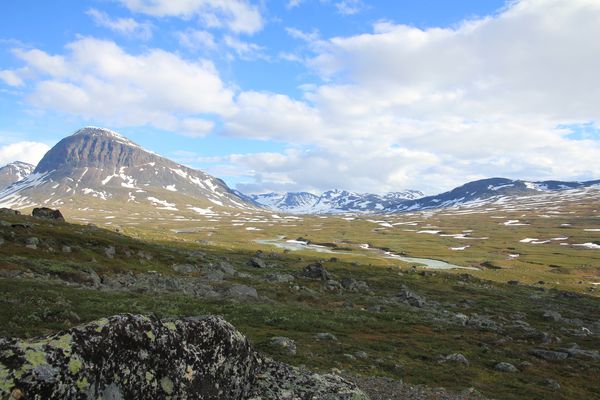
x,y
14,172
96,165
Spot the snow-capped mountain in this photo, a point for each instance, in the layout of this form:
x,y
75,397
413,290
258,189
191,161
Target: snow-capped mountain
x,y
477,192
332,201
488,190
97,164
14,172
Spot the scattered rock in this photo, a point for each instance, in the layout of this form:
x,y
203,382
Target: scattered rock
x,y
514,283
353,285
361,355
47,213
552,384
411,298
376,308
257,263
287,345
326,336
279,278
280,381
316,271
575,351
32,243
549,355
66,249
9,211
482,322
505,367
242,292
551,316
456,358
185,268
110,251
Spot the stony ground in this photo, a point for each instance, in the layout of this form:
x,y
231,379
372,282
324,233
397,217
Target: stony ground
x,y
384,324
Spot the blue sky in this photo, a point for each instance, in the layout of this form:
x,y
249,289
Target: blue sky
x,y
312,94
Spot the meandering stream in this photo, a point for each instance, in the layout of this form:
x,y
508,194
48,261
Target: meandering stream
x,y
294,245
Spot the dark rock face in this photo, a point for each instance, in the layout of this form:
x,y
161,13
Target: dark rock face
x,y
132,357
137,357
316,271
48,213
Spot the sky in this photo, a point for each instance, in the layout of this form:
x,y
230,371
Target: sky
x,y
293,95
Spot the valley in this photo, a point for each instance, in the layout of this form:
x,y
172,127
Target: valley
x,y
496,297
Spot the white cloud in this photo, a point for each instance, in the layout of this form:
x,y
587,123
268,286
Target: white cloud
x,y
11,78
429,109
349,7
123,26
196,39
239,16
294,3
243,49
98,80
29,152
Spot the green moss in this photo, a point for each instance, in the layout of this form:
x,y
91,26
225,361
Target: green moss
x,y
167,385
151,335
35,358
82,383
75,365
6,381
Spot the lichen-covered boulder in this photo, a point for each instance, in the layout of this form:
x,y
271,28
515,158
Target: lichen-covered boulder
x,y
283,382
131,357
47,213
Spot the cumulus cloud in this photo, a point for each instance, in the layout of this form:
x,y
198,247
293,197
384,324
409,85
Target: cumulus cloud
x,y
26,151
11,78
488,97
239,16
124,26
97,79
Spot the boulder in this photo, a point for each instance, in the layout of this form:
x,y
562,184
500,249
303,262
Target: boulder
x,y
549,355
286,345
132,356
48,213
279,278
326,336
138,357
257,263
242,292
184,268
316,271
410,298
505,367
455,358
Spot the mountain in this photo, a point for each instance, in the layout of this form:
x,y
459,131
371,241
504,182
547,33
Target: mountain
x,y
14,172
332,201
100,167
489,190
476,192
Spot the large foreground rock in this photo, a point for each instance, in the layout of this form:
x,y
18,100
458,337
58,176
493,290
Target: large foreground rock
x,y
137,357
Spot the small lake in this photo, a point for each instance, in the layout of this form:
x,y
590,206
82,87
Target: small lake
x,y
294,245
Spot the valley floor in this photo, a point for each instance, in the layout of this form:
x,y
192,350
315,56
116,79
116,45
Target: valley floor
x,y
359,314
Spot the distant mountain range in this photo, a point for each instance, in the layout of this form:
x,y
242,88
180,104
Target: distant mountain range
x,y
101,166
333,201
336,201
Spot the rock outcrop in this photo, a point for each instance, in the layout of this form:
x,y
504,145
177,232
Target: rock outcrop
x,y
138,357
47,213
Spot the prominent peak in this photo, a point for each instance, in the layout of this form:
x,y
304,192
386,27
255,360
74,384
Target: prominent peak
x,y
95,131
